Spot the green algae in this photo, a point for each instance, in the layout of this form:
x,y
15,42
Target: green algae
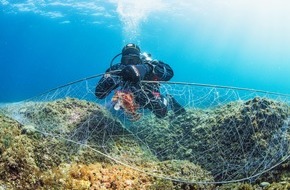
x,y
231,135
27,154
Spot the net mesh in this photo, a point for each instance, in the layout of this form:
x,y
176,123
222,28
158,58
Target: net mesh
x,y
227,134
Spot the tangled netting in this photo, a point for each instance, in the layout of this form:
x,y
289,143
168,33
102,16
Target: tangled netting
x,y
227,134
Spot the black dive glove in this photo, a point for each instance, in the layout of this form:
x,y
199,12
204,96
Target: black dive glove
x,y
106,85
161,70
135,73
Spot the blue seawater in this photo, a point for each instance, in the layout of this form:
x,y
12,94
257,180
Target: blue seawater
x,y
45,44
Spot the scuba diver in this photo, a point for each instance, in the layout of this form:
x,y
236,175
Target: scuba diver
x,y
131,75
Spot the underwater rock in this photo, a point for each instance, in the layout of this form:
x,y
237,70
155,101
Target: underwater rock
x,y
9,129
230,141
201,146
264,184
28,129
184,170
17,164
101,176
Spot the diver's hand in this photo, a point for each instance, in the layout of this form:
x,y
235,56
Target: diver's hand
x,y
134,73
130,73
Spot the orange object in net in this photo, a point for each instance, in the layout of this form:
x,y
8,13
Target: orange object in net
x,y
126,101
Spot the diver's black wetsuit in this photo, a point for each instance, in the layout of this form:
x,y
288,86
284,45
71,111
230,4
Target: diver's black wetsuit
x,y
147,95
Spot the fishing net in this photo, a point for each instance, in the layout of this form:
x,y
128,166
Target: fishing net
x,y
226,134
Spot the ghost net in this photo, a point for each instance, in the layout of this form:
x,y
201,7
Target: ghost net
x,y
226,134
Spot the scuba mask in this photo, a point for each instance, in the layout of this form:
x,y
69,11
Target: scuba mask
x,y
130,55
131,59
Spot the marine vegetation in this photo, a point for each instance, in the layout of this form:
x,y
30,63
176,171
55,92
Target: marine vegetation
x,y
223,139
77,144
35,159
